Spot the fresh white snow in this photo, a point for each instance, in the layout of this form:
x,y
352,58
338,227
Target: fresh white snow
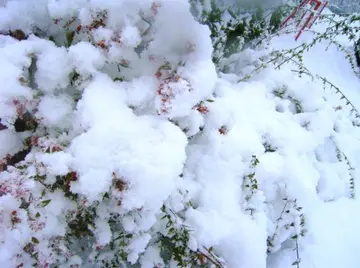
x,y
259,170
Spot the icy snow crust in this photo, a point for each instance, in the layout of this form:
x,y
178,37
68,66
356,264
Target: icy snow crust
x,y
146,123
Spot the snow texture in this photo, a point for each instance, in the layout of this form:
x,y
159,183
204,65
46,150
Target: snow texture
x,y
132,125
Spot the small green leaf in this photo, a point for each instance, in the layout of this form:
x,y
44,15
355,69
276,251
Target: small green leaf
x,y
37,215
128,236
34,240
69,38
45,203
121,79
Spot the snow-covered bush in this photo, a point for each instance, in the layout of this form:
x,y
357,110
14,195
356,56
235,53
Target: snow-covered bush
x,y
122,146
344,6
90,95
237,26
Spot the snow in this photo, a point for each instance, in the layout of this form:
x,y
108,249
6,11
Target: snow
x,y
140,164
55,110
151,258
103,232
53,69
332,219
137,246
56,163
23,15
86,58
136,141
10,143
130,36
334,233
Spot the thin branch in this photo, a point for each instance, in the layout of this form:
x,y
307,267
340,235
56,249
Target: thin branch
x,y
297,254
214,260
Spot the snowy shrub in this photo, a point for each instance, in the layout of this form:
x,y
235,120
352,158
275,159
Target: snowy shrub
x,y
344,6
127,139
235,27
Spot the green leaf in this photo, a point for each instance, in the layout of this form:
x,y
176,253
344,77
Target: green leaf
x,y
45,203
294,237
34,240
69,38
128,236
121,79
37,215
